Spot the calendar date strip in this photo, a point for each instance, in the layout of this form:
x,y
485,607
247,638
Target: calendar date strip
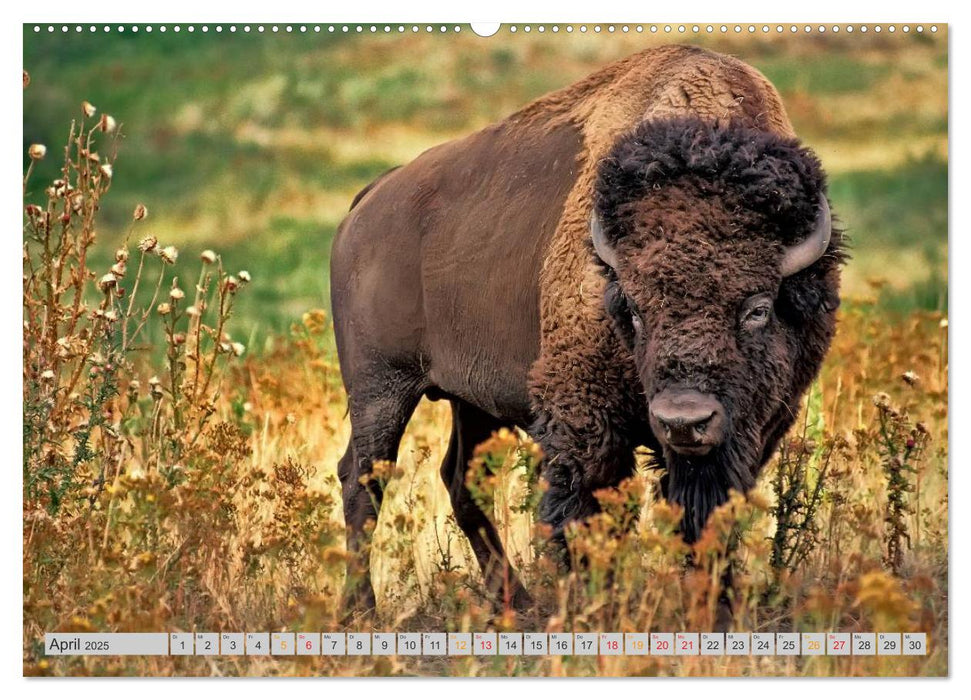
x,y
486,644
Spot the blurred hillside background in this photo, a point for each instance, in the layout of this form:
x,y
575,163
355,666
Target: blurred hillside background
x,y
254,145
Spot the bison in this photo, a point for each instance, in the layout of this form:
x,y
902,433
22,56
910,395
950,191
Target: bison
x,y
646,257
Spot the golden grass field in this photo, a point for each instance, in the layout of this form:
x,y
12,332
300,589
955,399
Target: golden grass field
x,y
180,450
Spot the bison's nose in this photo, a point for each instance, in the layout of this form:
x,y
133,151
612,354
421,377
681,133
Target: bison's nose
x,y
689,422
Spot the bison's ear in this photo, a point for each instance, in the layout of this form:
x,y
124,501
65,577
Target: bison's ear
x,y
805,298
601,245
618,312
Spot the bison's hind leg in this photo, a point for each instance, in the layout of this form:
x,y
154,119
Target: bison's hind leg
x,y
379,414
358,591
470,426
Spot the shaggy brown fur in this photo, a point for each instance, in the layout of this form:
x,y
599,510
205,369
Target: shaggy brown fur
x,y
700,215
468,274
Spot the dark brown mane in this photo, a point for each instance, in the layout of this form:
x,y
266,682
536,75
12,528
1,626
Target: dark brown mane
x,y
770,175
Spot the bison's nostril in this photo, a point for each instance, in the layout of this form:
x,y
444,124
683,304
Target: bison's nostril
x,y
682,423
687,419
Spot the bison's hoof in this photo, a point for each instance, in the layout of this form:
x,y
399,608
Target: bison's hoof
x,y
724,615
521,600
358,600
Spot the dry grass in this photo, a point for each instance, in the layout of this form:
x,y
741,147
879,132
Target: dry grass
x,y
183,487
251,537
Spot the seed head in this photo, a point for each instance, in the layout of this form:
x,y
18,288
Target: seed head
x,y
107,123
169,254
47,375
176,294
910,377
119,269
148,244
107,283
140,212
238,349
244,276
193,311
208,257
106,170
33,211
37,151
88,109
164,309
232,284
121,255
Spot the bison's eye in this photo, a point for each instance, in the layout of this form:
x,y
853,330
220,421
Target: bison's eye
x,y
756,312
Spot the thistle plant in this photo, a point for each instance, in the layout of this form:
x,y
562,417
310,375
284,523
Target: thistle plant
x,y
901,445
85,333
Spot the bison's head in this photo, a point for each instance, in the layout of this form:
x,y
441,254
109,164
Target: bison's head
x,y
722,274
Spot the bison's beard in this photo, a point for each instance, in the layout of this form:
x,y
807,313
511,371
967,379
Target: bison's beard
x,y
701,484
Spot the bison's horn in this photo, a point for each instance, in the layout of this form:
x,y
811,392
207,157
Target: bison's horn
x,y
802,255
600,243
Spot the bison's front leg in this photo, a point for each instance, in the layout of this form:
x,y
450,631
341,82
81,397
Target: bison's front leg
x,y
578,461
585,418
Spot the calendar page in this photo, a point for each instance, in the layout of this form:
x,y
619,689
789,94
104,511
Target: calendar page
x,y
520,349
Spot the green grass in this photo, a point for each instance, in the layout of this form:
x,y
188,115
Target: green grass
x,y
899,214
929,294
906,207
290,267
826,74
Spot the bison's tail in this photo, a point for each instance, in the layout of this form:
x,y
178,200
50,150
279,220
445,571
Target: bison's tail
x,y
360,195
